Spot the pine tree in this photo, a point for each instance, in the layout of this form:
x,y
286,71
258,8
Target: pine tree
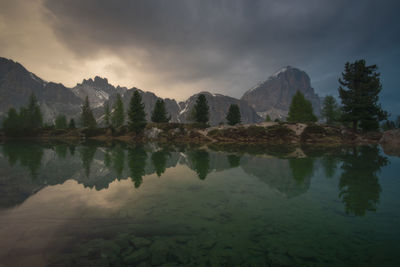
x,y
107,114
87,117
300,109
136,114
11,123
61,122
201,109
359,89
159,112
330,110
71,124
118,114
31,115
233,117
268,118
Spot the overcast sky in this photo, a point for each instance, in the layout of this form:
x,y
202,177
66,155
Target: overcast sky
x,y
178,47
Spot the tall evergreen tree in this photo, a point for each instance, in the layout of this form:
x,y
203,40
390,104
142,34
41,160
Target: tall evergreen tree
x,y
233,117
118,114
24,122
71,124
359,89
87,117
300,109
330,110
61,122
11,123
201,109
136,113
34,118
159,112
268,118
107,114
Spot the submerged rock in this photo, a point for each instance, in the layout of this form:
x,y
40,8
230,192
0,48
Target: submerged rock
x,y
137,256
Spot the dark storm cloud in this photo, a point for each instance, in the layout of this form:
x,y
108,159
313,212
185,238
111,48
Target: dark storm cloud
x,y
234,42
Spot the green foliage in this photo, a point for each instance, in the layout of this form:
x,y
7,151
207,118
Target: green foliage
x,y
268,118
11,124
388,125
136,114
71,124
301,109
61,122
201,110
330,110
233,116
159,112
87,118
107,114
359,89
25,122
118,115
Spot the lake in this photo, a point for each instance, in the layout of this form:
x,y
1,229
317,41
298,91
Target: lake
x,y
97,204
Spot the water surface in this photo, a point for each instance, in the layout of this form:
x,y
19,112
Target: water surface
x,y
94,204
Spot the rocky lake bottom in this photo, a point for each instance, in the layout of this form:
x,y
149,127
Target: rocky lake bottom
x,y
95,204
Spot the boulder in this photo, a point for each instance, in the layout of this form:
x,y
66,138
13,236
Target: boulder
x,y
390,142
152,133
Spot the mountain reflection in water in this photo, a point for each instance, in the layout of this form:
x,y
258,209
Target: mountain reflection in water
x,y
110,194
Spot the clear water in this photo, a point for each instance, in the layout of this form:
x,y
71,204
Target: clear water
x,y
145,205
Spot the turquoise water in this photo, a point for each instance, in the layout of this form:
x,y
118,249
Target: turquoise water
x,y
97,204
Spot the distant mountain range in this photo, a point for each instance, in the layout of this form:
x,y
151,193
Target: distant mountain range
x,y
271,97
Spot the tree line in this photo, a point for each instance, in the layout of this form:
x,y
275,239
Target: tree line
x,y
359,93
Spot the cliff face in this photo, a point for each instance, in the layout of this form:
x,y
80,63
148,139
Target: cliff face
x,y
273,96
219,106
98,91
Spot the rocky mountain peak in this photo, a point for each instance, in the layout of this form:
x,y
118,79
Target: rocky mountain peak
x,y
273,96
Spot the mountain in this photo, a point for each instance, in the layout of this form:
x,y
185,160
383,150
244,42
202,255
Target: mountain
x,y
273,96
17,84
219,105
98,90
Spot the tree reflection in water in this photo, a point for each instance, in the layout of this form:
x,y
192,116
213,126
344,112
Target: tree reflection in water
x,y
358,182
159,160
86,154
302,168
234,160
28,154
118,160
137,162
200,160
359,186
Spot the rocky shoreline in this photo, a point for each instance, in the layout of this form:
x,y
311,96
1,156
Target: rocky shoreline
x,y
261,133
